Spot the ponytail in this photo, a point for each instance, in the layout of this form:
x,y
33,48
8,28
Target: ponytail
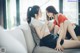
x,y
31,12
29,15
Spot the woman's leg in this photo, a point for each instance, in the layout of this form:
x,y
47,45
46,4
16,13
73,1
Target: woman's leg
x,y
72,32
71,44
65,28
68,26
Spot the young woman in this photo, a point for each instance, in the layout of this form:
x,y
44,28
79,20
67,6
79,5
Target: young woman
x,y
62,23
47,39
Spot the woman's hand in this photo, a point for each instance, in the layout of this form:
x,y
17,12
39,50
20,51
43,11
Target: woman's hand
x,y
59,47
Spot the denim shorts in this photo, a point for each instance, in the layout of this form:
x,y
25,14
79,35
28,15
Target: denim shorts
x,y
50,41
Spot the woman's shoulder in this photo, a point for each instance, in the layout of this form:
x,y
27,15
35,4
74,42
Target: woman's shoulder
x,y
36,23
62,16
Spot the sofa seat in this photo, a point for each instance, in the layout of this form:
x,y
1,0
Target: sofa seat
x,y
39,49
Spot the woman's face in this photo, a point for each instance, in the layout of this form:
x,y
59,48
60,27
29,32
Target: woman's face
x,y
49,14
39,13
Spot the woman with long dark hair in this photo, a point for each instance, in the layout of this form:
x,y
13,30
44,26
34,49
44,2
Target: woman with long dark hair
x,y
46,38
61,22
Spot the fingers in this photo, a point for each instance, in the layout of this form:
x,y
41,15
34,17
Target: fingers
x,y
62,48
59,49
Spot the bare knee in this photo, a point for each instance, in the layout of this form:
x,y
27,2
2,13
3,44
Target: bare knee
x,y
67,22
56,26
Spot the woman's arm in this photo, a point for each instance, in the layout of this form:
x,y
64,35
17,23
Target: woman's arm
x,y
61,33
40,29
51,28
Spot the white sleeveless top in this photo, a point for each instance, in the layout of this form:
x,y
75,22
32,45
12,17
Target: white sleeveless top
x,y
41,25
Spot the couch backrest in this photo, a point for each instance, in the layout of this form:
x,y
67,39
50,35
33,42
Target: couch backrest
x,y
35,35
18,35
28,37
12,41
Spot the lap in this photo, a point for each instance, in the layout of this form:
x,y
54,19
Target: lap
x,y
50,41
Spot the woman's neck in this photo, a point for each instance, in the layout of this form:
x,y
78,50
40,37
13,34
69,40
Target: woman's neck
x,y
56,16
36,18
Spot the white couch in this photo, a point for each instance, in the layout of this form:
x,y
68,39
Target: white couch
x,y
12,41
20,40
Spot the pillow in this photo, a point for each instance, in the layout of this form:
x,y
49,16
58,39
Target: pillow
x,y
34,34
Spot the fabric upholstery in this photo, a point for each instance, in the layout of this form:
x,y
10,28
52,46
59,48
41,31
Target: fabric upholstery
x,y
18,35
28,37
10,44
35,35
39,49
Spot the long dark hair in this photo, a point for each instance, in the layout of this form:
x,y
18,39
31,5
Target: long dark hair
x,y
31,12
51,9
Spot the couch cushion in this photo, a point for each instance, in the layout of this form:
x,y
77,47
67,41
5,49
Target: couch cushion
x,y
28,37
39,49
10,43
18,35
35,35
43,49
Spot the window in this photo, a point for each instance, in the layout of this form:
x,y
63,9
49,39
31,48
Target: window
x,y
70,9
24,4
11,13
